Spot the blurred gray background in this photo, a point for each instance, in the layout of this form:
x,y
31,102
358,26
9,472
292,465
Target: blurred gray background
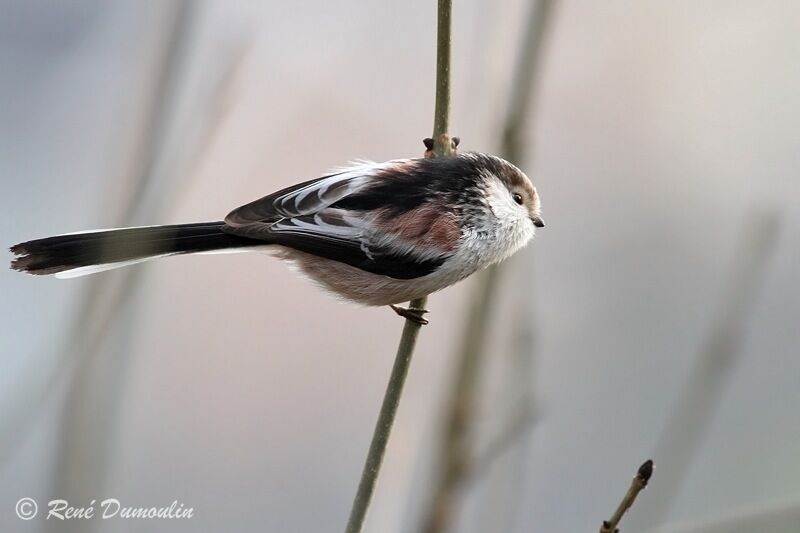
x,y
662,131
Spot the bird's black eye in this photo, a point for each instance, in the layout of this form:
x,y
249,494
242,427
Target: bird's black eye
x,y
517,198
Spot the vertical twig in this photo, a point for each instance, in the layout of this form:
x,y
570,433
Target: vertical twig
x,y
383,427
442,146
638,484
455,455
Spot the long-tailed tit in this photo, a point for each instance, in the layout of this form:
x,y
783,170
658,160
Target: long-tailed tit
x,y
373,233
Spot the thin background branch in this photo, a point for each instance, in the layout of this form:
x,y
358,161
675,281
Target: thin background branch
x,y
99,342
442,147
638,484
688,425
505,458
97,350
772,517
86,330
455,455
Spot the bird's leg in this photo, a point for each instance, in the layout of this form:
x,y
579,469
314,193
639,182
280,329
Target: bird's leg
x,y
414,315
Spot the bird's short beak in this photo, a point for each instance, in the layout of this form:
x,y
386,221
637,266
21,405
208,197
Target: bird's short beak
x,y
538,222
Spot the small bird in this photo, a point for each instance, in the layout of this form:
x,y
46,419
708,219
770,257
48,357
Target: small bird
x,y
372,233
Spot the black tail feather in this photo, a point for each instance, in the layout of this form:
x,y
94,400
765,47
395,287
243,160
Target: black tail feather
x,y
66,252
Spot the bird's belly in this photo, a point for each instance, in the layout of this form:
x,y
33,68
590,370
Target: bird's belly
x,y
363,287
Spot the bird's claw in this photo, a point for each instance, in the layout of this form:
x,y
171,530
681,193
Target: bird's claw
x,y
410,313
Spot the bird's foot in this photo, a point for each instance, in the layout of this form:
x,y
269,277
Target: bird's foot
x,y
410,313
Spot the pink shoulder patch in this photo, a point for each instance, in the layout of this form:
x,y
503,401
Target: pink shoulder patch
x,y
424,225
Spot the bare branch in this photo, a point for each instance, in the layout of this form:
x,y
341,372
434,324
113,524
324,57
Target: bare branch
x,y
443,145
456,449
638,484
440,146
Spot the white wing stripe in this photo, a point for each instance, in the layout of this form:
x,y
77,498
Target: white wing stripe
x,y
327,191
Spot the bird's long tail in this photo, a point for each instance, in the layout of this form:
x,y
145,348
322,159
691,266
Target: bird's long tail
x,y
77,254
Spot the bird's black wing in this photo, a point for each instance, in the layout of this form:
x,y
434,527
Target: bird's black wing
x,y
301,217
